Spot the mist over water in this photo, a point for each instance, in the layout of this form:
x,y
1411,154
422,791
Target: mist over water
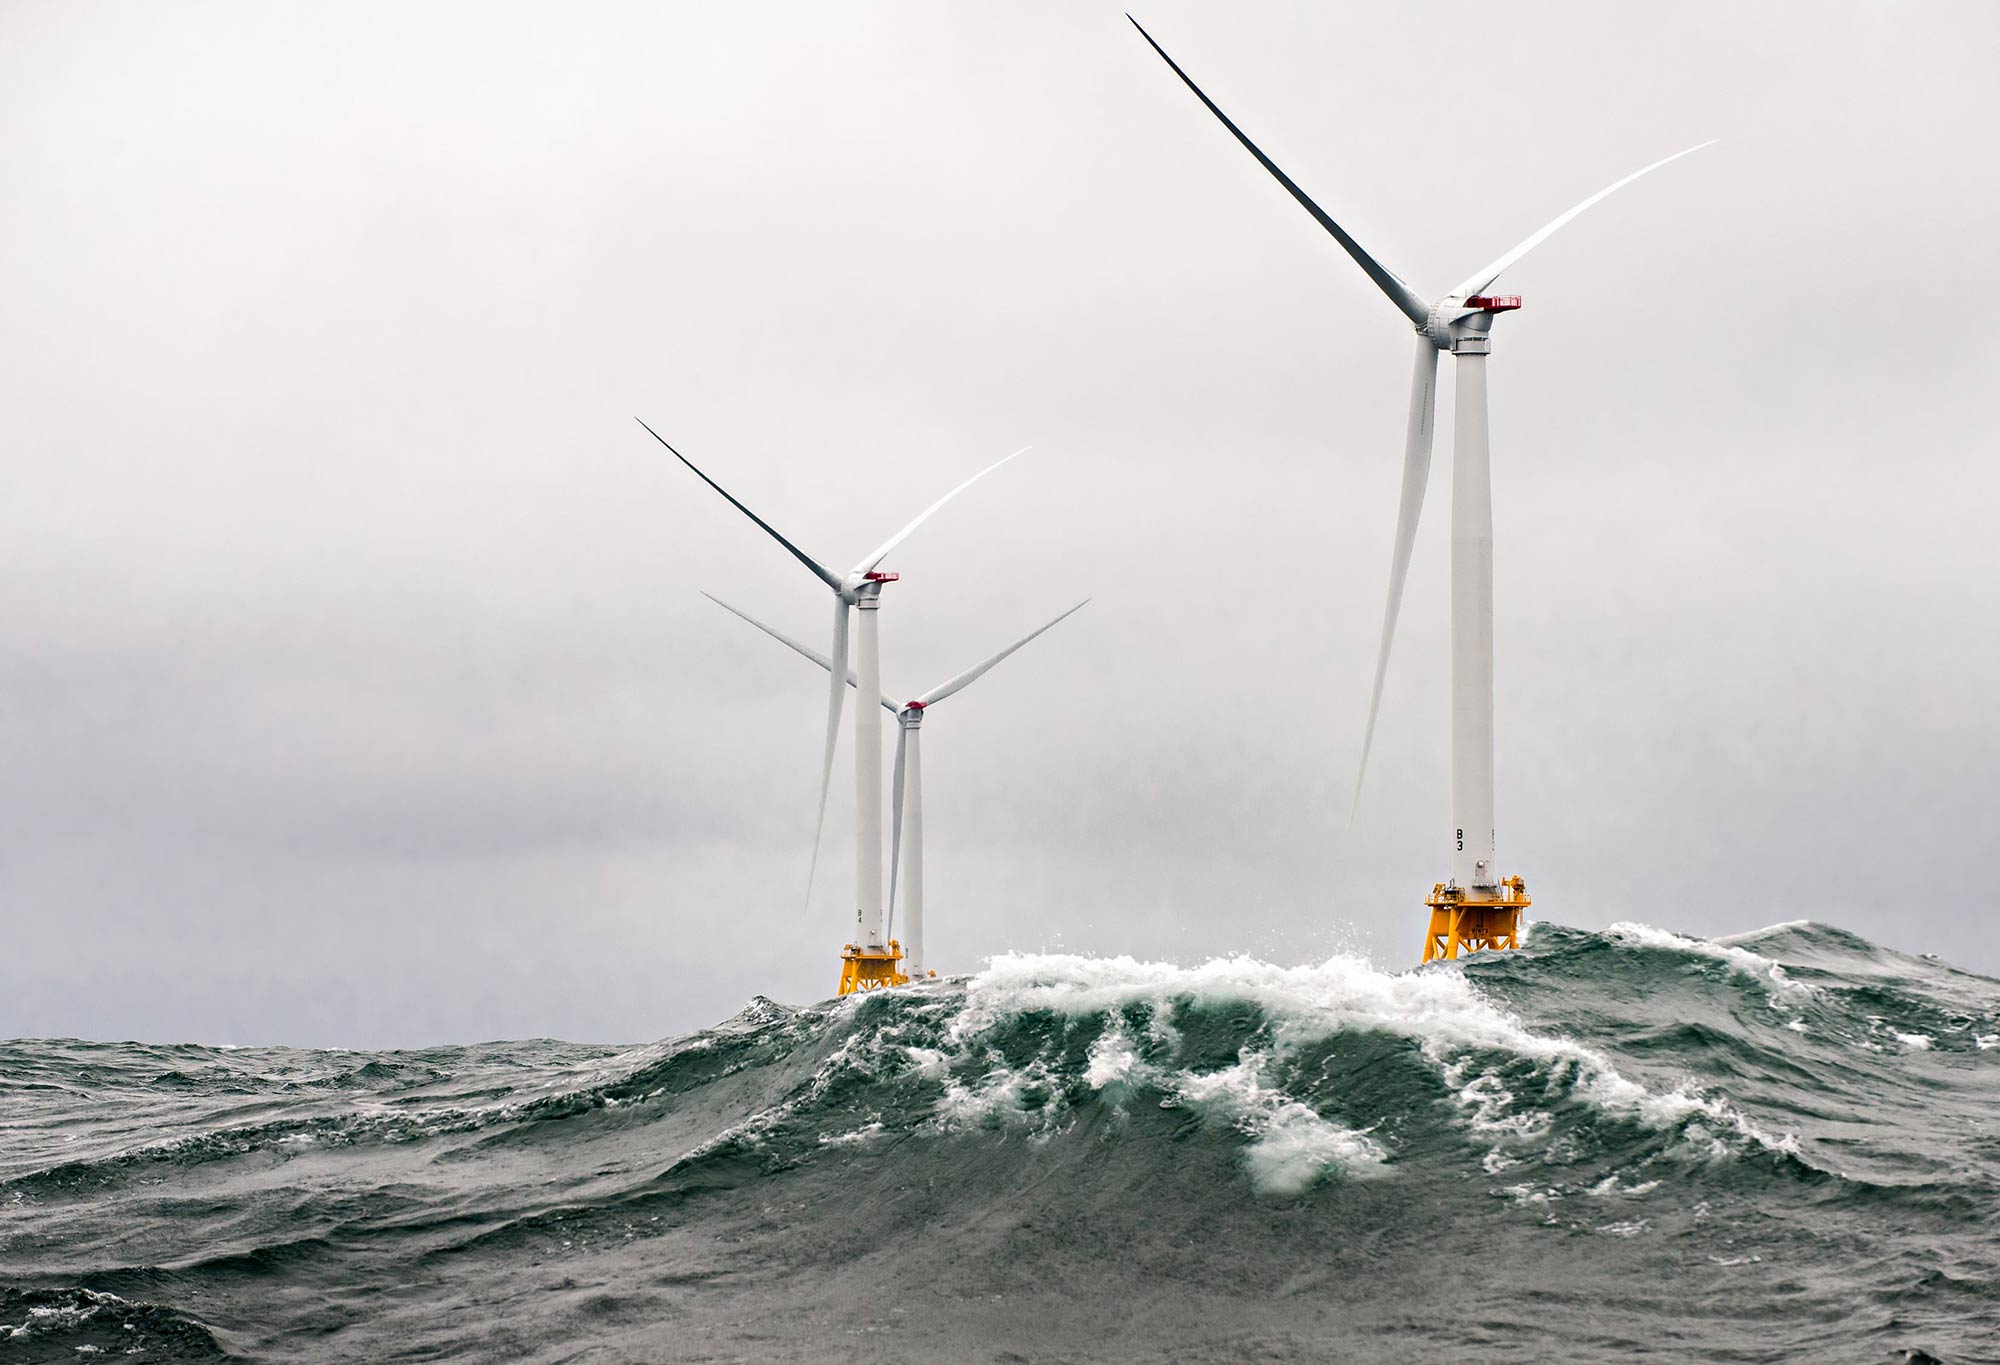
x,y
1777,1146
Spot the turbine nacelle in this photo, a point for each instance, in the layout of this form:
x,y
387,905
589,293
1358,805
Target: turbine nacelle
x,y
859,585
1456,318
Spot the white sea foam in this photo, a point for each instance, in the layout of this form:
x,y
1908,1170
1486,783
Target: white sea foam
x,y
1489,1106
1301,1005
1113,1059
995,1097
1781,990
854,1137
1296,1147
1752,935
927,1061
1292,1146
1610,1188
58,1317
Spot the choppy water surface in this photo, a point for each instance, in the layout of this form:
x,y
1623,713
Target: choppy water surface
x,y
1772,1148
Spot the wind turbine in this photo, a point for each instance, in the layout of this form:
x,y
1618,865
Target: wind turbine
x,y
1476,908
908,802
871,959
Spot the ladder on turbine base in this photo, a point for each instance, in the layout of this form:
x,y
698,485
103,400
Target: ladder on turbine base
x,y
1468,921
869,969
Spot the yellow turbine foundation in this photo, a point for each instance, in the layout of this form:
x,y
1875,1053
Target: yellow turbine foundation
x,y
1465,920
864,969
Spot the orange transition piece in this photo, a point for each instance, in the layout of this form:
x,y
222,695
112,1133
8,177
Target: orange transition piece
x,y
870,969
1468,921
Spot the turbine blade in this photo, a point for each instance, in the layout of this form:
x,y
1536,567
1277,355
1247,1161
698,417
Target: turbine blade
x,y
1400,294
896,828
781,637
1479,282
826,575
810,653
945,689
892,542
838,684
1416,478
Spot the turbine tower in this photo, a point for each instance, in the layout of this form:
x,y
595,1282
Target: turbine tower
x,y
871,960
1477,907
908,803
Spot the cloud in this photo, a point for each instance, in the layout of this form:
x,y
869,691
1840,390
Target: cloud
x,y
354,686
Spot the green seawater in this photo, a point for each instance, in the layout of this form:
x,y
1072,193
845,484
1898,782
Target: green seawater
x,y
1613,1145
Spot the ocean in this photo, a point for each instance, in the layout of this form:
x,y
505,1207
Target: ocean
x,y
1614,1145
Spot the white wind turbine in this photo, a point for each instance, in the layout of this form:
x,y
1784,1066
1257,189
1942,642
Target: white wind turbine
x,y
870,959
908,801
1475,908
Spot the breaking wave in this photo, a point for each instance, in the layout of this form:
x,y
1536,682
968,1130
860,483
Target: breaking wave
x,y
1291,1150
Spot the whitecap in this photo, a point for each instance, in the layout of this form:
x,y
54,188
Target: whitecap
x,y
1305,1004
1292,1145
854,1137
1781,990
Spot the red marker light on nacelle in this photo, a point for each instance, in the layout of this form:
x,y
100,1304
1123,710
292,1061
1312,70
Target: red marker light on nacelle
x,y
1494,303
875,577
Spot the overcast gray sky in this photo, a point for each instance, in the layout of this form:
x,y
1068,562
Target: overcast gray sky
x,y
354,684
